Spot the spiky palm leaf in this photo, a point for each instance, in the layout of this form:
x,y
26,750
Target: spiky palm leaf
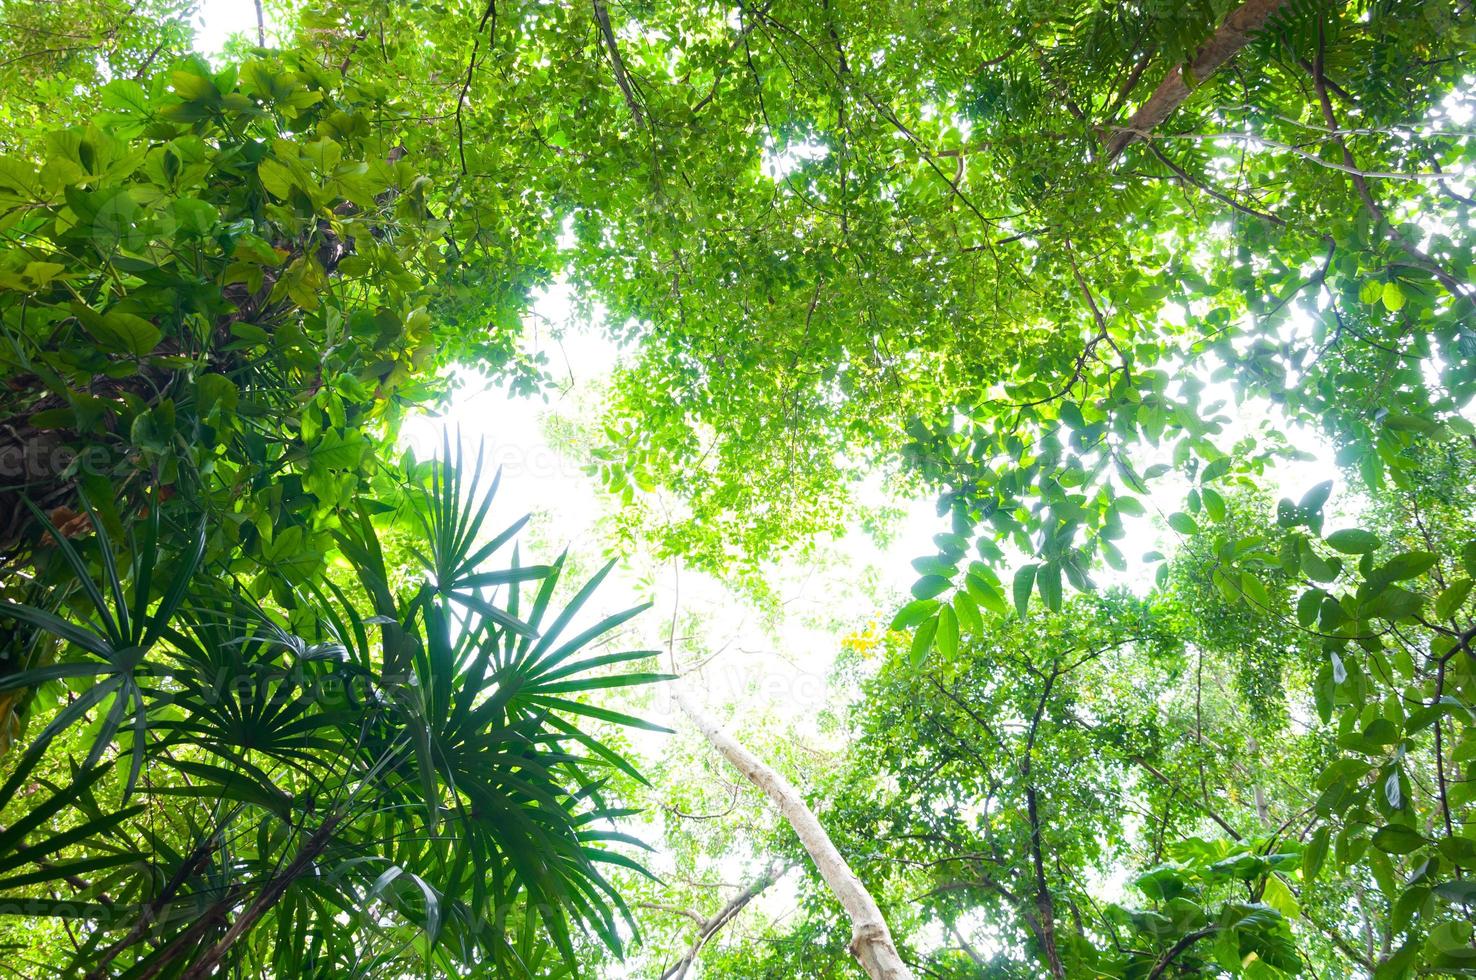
x,y
324,804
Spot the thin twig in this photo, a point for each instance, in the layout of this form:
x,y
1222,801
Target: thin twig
x,y
490,14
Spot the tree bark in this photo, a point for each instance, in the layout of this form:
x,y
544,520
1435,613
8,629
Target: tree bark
x,y
707,928
270,896
871,940
1045,907
1235,33
622,78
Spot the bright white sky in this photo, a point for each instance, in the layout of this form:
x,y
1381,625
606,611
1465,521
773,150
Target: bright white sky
x,y
217,20
767,666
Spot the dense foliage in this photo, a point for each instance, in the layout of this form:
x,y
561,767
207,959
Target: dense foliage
x,y
1301,810
268,707
355,803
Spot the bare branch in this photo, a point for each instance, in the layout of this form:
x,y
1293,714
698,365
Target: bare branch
x,y
707,928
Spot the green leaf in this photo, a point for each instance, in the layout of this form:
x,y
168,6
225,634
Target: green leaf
x,y
1406,906
119,333
1214,504
602,714
913,613
1393,794
154,430
1462,892
1255,592
1315,853
1228,589
1279,897
969,620
193,87
277,179
1399,839
1411,564
951,545
1183,523
1048,581
1451,600
215,395
930,585
124,95
194,217
922,640
1131,506
1393,296
985,592
1353,541
1324,693
946,637
1313,500
1316,567
338,450
1215,469
1308,607
1024,584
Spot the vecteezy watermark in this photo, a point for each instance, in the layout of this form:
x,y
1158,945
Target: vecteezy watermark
x,y
42,456
518,462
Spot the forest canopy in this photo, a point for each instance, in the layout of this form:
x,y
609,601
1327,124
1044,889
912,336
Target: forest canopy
x,y
1164,312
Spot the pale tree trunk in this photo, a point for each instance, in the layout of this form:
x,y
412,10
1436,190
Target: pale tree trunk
x,y
1263,809
871,940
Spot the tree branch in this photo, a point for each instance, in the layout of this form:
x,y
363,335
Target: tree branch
x,y
1044,906
1237,30
707,928
871,940
1360,184
471,65
1185,941
602,16
1212,192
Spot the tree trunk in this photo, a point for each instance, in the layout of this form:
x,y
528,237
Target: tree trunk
x,y
871,940
1045,907
1235,33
